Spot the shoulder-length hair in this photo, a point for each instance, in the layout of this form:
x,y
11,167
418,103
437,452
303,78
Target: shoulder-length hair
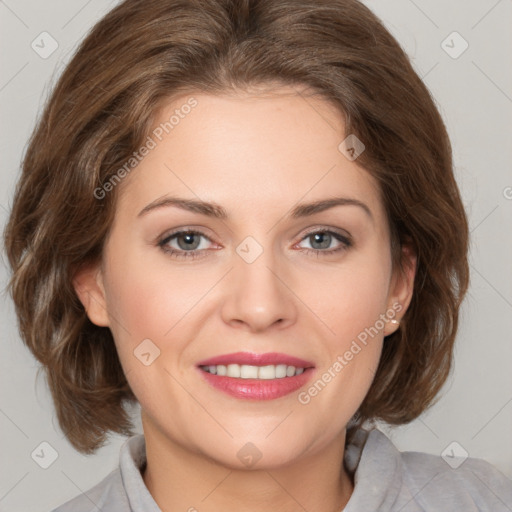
x,y
140,55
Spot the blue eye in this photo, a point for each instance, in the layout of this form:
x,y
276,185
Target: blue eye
x,y
324,239
189,243
188,248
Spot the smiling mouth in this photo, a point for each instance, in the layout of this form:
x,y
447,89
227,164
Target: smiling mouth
x,y
253,376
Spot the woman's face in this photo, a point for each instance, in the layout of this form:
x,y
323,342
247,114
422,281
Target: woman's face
x,y
271,276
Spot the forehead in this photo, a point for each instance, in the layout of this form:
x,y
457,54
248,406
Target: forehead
x,y
258,150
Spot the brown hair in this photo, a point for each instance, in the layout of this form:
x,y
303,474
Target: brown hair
x,y
101,110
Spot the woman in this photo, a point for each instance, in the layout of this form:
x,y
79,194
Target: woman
x,y
243,216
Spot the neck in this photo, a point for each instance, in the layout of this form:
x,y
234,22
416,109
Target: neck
x,y
179,479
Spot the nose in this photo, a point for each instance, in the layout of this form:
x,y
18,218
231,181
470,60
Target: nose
x,y
259,295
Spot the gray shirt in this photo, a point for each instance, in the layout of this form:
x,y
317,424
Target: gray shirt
x,y
386,480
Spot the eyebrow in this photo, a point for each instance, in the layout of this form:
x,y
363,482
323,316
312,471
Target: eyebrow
x,y
217,211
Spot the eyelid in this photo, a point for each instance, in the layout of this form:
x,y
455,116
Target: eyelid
x,y
339,231
185,229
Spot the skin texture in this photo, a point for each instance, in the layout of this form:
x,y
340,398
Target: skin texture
x,y
258,156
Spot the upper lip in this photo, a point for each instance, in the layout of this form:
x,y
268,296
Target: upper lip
x,y
250,358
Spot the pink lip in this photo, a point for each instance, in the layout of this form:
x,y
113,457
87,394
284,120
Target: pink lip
x,y
256,389
257,360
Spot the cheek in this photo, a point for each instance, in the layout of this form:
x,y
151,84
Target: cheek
x,y
353,297
354,346
150,300
147,306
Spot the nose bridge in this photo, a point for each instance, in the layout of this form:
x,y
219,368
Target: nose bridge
x,y
258,296
256,264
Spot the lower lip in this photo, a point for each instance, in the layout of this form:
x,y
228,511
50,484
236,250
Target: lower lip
x,y
257,389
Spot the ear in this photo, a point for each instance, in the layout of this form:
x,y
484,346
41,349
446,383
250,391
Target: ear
x,y
88,285
402,286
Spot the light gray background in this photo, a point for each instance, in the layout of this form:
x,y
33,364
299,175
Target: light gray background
x,y
474,94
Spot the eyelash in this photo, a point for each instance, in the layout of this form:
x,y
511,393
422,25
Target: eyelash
x,y
180,254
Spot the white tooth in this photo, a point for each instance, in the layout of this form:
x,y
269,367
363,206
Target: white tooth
x,y
248,372
280,371
233,370
267,372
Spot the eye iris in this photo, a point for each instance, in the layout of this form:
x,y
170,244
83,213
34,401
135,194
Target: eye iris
x,y
323,239
189,241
